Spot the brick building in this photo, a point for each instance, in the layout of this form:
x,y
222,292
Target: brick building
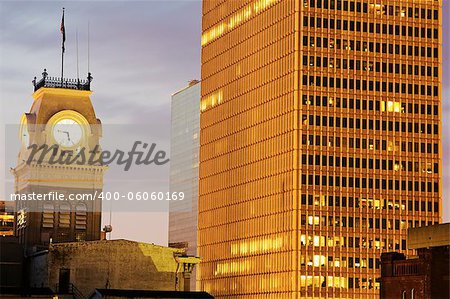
x,y
422,277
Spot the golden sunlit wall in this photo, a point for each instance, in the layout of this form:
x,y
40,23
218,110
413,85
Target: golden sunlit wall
x,y
320,142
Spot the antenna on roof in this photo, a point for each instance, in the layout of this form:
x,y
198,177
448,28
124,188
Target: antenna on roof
x,y
88,46
78,68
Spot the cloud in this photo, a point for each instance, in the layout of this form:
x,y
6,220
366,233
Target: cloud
x,y
141,52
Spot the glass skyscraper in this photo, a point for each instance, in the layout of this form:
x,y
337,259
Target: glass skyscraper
x,y
185,131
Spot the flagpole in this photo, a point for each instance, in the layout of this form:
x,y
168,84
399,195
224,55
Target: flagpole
x,y
62,48
62,67
78,68
88,47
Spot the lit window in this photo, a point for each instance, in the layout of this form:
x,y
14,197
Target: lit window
x,y
236,19
391,106
377,243
313,220
377,204
212,100
303,240
377,8
403,12
316,241
337,262
319,260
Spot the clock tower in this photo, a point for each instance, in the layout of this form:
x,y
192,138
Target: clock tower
x,y
56,184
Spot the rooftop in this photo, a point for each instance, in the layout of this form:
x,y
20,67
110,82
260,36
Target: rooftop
x,y
149,294
191,83
28,292
429,236
112,243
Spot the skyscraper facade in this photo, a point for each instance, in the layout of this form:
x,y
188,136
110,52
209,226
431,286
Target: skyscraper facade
x,y
320,142
185,131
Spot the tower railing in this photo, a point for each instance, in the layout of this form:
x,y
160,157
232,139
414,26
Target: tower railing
x,y
55,82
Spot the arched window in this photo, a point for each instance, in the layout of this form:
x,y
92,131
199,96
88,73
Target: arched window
x,y
80,216
403,294
48,215
64,215
413,293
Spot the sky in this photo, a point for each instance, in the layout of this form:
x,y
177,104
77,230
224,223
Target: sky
x,y
140,53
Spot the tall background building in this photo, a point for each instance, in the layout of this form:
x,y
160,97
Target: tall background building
x,y
320,142
184,140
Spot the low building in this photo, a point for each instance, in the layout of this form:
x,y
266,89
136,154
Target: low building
x,y
82,267
11,262
122,294
425,276
13,272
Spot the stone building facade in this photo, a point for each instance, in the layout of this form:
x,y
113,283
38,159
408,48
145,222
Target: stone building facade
x,y
115,264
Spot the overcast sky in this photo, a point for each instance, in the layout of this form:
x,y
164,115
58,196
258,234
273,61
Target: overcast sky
x,y
140,53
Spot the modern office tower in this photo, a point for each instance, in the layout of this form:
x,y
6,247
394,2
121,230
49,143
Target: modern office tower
x,y
61,121
185,131
319,142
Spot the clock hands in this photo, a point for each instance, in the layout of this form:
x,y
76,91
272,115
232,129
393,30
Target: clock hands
x,y
67,132
61,131
68,135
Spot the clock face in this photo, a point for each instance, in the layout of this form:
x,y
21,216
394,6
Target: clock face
x,y
67,132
